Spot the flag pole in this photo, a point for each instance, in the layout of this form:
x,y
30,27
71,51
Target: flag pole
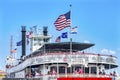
x,y
70,38
11,45
70,32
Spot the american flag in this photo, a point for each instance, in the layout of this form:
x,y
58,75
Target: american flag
x,y
58,39
29,34
14,50
63,21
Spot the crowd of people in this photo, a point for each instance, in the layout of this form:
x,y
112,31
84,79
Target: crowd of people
x,y
53,72
102,72
36,73
79,71
111,74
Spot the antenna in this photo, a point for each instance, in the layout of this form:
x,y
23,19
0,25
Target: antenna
x,y
11,44
35,29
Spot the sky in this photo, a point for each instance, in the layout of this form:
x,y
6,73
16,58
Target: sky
x,y
98,22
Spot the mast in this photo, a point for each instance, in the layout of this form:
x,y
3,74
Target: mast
x,y
70,38
11,44
70,32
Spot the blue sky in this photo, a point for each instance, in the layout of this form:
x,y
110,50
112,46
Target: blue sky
x,y
98,22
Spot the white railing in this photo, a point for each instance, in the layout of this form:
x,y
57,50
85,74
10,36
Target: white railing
x,y
54,77
74,58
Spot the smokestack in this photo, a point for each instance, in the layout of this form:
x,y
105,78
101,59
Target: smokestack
x,y
45,33
23,41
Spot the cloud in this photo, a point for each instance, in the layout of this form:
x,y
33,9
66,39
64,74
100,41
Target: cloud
x,y
112,52
106,51
86,41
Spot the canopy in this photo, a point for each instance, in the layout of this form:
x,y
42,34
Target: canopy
x,y
66,46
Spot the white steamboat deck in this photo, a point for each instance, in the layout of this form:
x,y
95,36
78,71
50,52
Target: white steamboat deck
x,y
76,58
65,57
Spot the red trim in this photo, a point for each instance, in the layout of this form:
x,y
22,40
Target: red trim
x,y
91,78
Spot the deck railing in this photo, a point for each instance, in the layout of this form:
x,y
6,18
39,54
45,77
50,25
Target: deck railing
x,y
54,77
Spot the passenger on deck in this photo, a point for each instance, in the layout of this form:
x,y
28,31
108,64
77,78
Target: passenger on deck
x,y
28,75
37,74
75,72
103,72
49,73
80,71
53,72
32,72
111,74
114,73
100,72
40,73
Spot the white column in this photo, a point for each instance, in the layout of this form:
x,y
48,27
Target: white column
x,y
44,68
57,69
89,70
66,70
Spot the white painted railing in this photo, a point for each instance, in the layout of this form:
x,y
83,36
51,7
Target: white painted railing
x,y
74,58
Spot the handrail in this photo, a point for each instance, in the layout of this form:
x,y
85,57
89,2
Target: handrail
x,y
49,57
74,75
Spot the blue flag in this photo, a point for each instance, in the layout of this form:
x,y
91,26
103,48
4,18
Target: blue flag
x,y
64,35
19,43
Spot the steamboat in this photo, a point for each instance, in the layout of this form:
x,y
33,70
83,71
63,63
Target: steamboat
x,y
55,61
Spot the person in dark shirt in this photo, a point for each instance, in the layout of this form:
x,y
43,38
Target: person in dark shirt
x,y
103,72
114,73
100,72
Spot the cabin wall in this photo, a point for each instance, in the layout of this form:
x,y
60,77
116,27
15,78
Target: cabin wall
x,y
20,74
44,69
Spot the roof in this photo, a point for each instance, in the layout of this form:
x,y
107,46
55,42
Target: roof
x,y
62,46
66,46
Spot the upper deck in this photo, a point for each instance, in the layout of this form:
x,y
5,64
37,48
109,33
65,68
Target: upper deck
x,y
61,47
65,46
76,58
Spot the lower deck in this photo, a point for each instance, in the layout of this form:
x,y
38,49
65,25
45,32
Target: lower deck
x,y
68,77
63,64
55,70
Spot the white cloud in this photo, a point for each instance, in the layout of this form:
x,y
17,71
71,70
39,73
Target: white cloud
x,y
106,51
112,52
86,41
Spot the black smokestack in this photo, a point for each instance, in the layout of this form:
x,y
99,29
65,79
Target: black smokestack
x,y
45,33
23,41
